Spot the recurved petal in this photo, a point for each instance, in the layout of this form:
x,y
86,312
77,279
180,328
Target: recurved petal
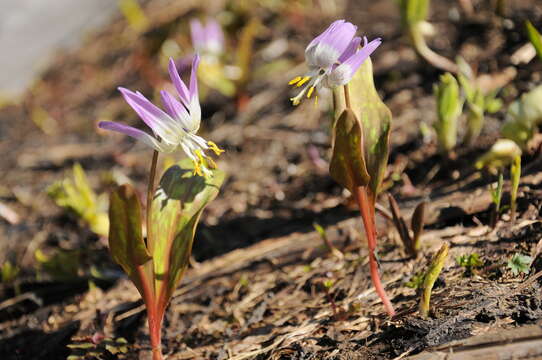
x,y
182,90
350,49
214,36
330,28
134,133
160,122
340,36
344,72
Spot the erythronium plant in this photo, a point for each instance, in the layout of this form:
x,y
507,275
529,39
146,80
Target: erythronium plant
x,y
362,121
156,264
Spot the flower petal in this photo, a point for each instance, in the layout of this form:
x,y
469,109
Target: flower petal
x,y
344,72
176,109
350,50
214,37
136,134
182,90
197,33
160,122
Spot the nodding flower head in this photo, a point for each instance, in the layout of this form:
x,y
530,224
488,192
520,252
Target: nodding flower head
x,y
333,58
176,126
207,40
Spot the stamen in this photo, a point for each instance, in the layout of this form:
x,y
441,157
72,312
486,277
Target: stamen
x,y
211,163
311,90
315,100
215,148
295,100
197,168
294,80
302,81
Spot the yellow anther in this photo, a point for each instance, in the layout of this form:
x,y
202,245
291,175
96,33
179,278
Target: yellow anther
x,y
311,90
211,163
315,100
197,168
294,80
295,100
215,148
302,81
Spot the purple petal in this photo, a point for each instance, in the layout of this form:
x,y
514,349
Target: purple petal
x,y
350,50
197,33
160,122
344,72
130,131
330,28
182,90
194,78
175,109
340,37
214,37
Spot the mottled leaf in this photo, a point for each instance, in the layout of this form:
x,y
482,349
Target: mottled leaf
x,y
125,239
375,119
176,208
347,165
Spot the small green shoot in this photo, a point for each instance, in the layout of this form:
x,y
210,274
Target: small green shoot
x,y
519,264
534,37
63,265
469,261
523,117
432,274
449,107
496,197
9,272
503,153
76,196
327,243
416,281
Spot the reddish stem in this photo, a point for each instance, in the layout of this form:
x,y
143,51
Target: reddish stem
x,y
367,211
155,326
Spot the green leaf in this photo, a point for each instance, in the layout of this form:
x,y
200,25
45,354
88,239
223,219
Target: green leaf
x,y
519,263
347,165
176,208
375,119
125,238
431,276
534,37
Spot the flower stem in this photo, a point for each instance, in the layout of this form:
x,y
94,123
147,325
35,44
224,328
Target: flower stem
x,y
347,97
367,212
150,190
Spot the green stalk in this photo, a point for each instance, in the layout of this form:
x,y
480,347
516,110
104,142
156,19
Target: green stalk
x,y
515,174
426,53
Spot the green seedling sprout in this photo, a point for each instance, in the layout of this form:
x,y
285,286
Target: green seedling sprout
x,y
449,107
410,239
413,19
534,37
432,274
503,153
496,197
469,262
478,102
523,117
519,264
360,153
327,243
76,196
